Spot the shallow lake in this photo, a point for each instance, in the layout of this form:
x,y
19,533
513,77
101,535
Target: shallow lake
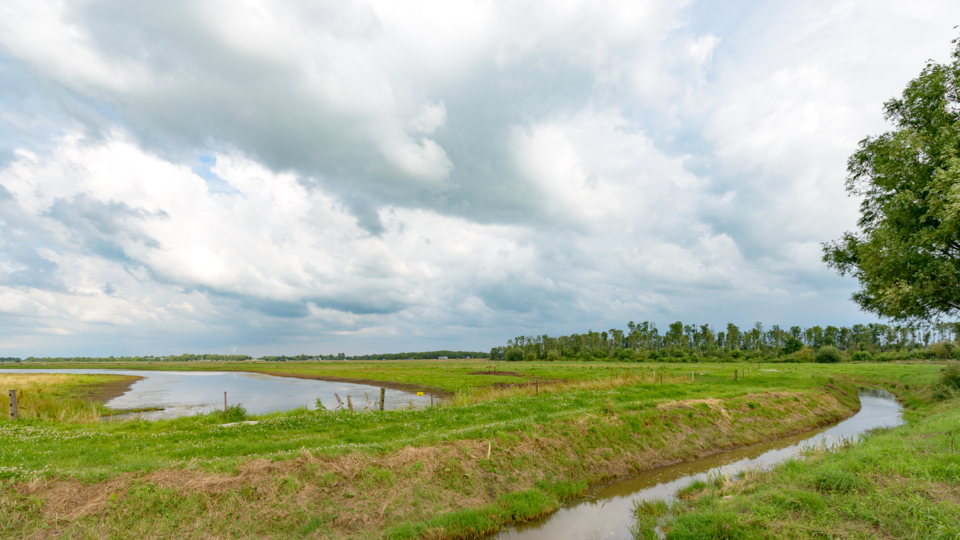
x,y
182,393
606,512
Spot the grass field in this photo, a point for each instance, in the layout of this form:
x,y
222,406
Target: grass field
x,y
488,457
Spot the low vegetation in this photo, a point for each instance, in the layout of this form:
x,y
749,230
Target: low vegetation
x,y
488,457
897,483
61,398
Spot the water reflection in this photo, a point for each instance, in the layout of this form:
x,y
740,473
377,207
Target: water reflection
x,y
181,393
607,510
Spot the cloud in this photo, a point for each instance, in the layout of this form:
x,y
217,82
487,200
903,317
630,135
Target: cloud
x,y
364,174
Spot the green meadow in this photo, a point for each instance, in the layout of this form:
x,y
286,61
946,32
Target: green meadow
x,y
488,456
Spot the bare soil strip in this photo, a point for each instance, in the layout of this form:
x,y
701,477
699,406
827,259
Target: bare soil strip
x,y
104,392
406,387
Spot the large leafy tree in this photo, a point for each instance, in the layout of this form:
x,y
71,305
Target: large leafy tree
x,y
906,254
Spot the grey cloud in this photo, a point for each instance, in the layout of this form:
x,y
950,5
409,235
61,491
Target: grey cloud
x,y
103,227
361,304
275,308
513,294
32,269
203,90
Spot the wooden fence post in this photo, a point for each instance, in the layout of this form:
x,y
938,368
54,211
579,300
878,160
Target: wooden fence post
x,y
224,402
734,374
13,404
383,391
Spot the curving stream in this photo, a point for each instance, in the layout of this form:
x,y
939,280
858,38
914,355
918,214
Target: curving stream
x,y
183,393
606,512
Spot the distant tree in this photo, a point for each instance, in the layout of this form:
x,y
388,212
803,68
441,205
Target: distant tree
x,y
514,354
906,254
733,337
828,355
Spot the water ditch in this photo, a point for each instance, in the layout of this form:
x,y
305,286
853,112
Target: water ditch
x,y
606,512
184,393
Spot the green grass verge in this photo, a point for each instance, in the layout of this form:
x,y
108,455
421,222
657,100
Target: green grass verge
x,y
898,483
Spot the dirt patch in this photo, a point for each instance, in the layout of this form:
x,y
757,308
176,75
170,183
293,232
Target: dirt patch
x,y
503,373
104,392
70,500
406,387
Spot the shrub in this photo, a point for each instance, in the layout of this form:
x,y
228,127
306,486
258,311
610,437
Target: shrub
x,y
951,375
941,350
949,384
862,356
553,356
234,413
888,356
514,354
828,355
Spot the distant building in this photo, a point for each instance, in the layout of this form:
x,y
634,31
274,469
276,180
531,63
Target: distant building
x,y
442,358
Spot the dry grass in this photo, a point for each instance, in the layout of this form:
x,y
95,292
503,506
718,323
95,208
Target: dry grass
x,y
535,386
56,396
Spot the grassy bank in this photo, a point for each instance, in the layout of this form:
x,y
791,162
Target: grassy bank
x,y
442,376
491,457
61,398
898,483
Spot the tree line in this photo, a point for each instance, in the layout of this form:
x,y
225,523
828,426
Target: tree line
x,y
170,358
645,341
425,355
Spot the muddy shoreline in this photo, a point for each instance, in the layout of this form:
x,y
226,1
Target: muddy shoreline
x,y
393,385
105,391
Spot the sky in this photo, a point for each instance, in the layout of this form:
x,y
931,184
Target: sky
x,y
293,177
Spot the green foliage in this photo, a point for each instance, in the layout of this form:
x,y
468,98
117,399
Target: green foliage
x,y
948,387
861,356
951,375
514,354
713,525
828,355
941,349
836,480
693,343
906,255
233,413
